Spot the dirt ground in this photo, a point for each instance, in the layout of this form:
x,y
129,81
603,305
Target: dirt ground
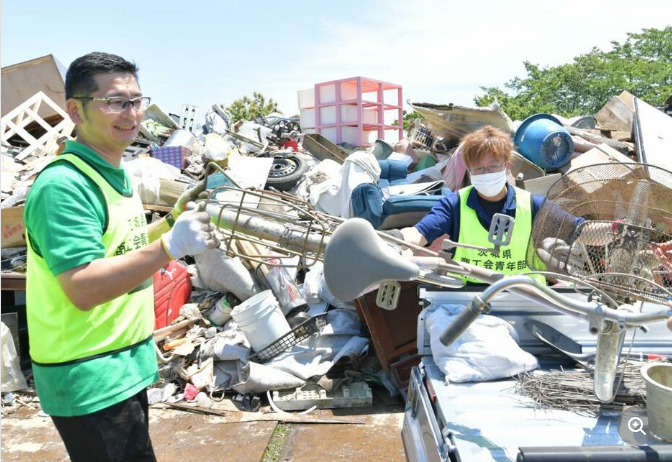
x,y
371,434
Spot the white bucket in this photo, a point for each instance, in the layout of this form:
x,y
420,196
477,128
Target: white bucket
x,y
658,378
261,320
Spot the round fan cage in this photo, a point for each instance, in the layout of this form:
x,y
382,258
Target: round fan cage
x,y
628,216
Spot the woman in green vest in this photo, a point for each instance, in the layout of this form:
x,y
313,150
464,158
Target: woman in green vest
x,y
465,215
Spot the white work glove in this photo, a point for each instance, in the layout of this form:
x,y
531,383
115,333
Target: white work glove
x,y
559,257
192,233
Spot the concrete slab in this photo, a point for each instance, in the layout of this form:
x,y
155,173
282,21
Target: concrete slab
x,y
176,436
28,437
378,440
179,436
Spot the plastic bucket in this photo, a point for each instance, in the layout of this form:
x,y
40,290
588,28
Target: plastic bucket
x,y
542,139
261,320
381,150
658,378
220,313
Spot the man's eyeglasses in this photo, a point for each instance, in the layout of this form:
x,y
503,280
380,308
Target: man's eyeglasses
x,y
488,169
119,103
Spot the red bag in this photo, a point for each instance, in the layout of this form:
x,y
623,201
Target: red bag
x,y
172,289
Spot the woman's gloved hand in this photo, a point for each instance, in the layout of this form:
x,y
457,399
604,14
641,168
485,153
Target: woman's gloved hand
x,y
192,233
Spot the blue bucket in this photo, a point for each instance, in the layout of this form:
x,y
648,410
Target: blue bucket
x,y
542,139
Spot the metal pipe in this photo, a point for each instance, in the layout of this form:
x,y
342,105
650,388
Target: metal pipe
x,y
248,223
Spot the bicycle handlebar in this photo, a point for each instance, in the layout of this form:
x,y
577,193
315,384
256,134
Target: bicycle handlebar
x,y
548,297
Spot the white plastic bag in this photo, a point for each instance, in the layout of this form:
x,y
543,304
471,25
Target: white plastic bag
x,y
144,167
12,377
487,350
224,274
312,284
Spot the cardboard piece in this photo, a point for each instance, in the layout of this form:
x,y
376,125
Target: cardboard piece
x,y
170,191
520,164
13,227
541,185
615,115
155,113
454,122
602,154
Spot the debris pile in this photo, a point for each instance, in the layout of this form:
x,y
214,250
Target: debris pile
x,y
245,320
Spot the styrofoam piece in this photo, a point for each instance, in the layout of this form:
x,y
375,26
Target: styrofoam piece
x,y
357,394
306,98
307,118
327,93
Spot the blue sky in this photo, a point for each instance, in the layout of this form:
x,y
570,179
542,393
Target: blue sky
x,y
200,53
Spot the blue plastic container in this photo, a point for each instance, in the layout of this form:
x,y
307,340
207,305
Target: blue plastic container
x,y
542,139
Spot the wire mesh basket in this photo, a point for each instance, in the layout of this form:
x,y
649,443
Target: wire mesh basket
x,y
298,334
421,137
621,246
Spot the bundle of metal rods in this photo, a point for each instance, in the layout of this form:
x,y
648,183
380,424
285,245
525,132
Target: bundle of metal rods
x,y
573,390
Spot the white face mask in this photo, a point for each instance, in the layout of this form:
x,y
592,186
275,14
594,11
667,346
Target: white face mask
x,y
489,184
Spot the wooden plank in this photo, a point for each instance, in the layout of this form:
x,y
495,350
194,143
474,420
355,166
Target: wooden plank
x,y
594,138
164,332
615,116
237,416
322,148
157,208
21,81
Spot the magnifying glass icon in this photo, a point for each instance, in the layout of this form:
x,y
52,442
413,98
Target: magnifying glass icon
x,y
635,425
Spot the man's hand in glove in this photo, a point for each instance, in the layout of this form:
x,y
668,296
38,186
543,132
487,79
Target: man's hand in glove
x,y
192,233
187,196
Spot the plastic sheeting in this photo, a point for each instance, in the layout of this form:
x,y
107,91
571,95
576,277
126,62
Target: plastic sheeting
x,y
333,195
339,341
12,377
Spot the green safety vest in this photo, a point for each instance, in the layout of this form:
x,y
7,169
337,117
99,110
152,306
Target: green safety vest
x,y
60,333
512,258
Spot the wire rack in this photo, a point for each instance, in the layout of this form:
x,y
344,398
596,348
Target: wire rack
x,y
298,334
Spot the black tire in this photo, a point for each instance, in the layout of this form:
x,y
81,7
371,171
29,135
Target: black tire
x,y
285,172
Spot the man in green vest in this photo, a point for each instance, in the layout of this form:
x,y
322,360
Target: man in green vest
x,y
90,303
466,215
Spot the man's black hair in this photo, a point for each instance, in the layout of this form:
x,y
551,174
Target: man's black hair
x,y
79,78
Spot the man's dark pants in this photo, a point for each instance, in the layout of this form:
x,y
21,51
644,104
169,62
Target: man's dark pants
x,y
117,433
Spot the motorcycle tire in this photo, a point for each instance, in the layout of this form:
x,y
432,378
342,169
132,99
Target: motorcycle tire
x,y
285,172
